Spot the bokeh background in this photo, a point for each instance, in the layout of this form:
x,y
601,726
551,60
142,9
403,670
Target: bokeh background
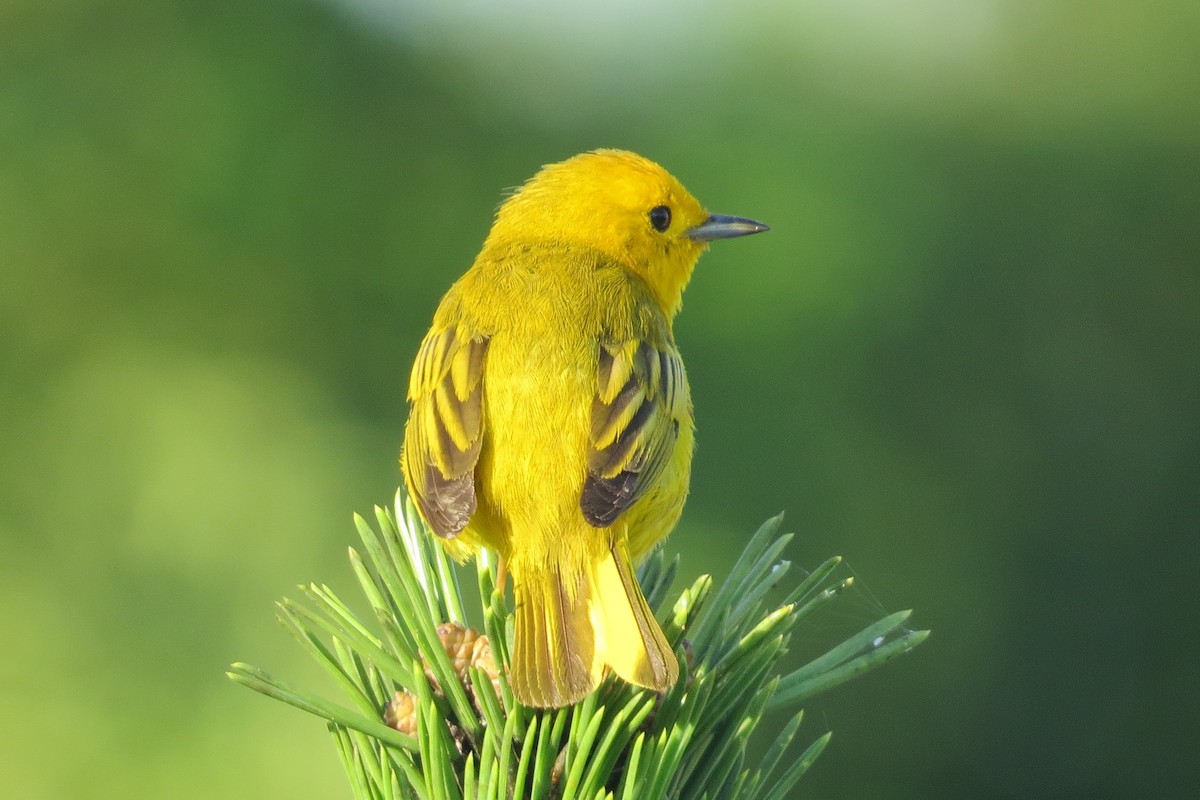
x,y
965,358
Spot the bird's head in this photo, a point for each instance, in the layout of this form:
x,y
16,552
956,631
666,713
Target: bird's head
x,y
624,206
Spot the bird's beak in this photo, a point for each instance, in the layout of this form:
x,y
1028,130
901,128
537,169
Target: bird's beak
x,y
719,226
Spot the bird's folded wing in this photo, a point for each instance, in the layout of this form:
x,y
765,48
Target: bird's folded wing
x,y
445,427
641,400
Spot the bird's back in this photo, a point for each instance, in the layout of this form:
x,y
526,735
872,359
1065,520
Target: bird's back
x,y
547,311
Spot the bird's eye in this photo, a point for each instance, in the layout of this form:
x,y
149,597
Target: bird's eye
x,y
660,218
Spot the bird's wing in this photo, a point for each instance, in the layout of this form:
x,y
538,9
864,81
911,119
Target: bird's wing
x,y
445,427
641,400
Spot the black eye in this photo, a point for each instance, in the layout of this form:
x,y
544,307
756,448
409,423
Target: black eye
x,y
660,218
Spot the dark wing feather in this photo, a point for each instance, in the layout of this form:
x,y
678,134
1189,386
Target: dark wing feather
x,y
641,399
445,428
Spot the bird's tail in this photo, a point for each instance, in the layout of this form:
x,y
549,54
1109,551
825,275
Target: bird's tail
x,y
627,633
554,658
566,632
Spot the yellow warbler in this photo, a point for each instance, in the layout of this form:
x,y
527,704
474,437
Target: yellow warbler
x,y
550,415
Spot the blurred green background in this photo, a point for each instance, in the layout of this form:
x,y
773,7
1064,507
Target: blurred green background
x,y
965,358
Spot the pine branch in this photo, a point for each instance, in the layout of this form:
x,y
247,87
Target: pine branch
x,y
431,714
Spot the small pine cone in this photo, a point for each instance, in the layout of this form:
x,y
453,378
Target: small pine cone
x,y
482,659
401,713
466,648
459,642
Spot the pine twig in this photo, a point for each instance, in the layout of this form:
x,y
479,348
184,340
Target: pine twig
x,y
431,714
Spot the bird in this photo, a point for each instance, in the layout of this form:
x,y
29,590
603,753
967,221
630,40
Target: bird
x,y
550,418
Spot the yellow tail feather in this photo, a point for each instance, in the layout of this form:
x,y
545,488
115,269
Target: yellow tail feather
x,y
563,639
627,634
554,660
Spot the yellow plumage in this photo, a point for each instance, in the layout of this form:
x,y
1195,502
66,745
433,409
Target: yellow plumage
x,y
550,414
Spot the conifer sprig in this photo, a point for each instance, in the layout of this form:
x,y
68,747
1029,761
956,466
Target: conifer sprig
x,y
453,730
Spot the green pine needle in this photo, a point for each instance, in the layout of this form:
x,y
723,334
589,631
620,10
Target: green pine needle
x,y
472,740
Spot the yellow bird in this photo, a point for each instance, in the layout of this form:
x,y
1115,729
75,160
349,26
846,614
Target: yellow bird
x,y
550,415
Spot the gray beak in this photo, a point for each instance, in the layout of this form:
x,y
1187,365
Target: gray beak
x,y
719,226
